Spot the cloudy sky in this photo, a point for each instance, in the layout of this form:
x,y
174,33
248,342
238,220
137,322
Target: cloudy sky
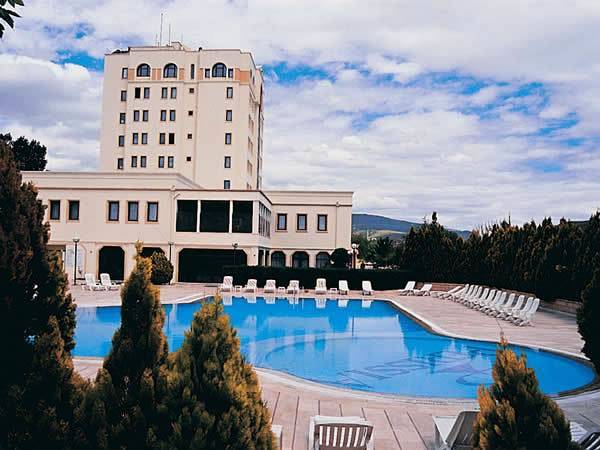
x,y
475,109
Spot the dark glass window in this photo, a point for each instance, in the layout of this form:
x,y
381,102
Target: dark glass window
x,y
206,73
170,71
163,115
142,161
121,117
123,96
192,90
152,212
173,92
161,162
162,138
229,115
113,211
138,92
164,92
124,73
214,216
54,209
146,92
73,209
171,138
190,113
282,222
300,260
301,222
230,92
278,259
242,217
172,115
228,138
187,215
143,70
228,162
229,73
322,260
134,161
322,222
193,71
133,211
171,162
135,138
219,70
145,115
144,138
120,163
226,184
136,115
121,141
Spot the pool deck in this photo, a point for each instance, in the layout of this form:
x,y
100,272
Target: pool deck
x,y
399,422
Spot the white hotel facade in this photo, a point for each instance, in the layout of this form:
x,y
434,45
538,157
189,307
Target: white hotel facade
x,y
181,158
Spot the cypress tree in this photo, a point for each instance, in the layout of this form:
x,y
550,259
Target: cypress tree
x,y
514,413
587,319
214,398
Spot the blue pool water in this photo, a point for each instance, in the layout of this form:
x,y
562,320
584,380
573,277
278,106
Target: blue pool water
x,y
369,346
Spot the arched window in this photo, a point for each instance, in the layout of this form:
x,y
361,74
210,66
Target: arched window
x,y
143,70
278,259
219,70
322,260
300,260
170,71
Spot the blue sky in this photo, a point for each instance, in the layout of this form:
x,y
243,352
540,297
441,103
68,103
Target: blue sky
x,y
412,106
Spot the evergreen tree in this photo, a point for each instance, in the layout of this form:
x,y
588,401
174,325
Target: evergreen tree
x,y
29,155
340,258
162,269
514,413
587,319
7,15
214,399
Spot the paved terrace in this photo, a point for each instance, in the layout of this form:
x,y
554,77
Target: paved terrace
x,y
400,423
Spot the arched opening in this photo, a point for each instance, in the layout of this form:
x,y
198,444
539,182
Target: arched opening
x,y
300,260
170,71
143,70
322,260
148,251
278,259
111,260
204,265
219,70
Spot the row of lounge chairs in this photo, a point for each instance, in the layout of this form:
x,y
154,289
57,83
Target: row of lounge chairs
x,y
293,287
410,289
105,284
495,302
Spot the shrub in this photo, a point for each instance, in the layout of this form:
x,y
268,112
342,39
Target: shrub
x,y
514,413
587,320
162,269
340,258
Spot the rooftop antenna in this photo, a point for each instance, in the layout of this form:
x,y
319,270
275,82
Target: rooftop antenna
x,y
161,25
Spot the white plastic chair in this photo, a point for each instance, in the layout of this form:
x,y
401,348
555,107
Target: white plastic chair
x,y
293,287
367,289
454,432
92,284
343,433
321,286
107,283
227,285
408,289
250,286
343,287
270,287
425,290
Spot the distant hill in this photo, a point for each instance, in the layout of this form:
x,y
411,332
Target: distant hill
x,y
380,226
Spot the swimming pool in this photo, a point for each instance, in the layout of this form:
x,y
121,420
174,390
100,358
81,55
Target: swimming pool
x,y
364,345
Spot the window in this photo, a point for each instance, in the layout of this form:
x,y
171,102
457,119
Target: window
x,y
54,209
162,138
219,70
188,158
322,222
142,161
281,222
136,115
214,216
134,161
278,259
189,135
146,92
171,138
229,92
301,222
161,162
152,212
172,115
206,73
192,90
143,70
145,115
300,260
226,184
138,92
164,92
170,71
227,162
190,113
163,115
229,115
73,209
171,162
193,71
123,96
135,138
241,218
124,73
133,211
229,73
322,260
228,138
120,163
121,118
113,211
144,138
187,215
121,141
173,92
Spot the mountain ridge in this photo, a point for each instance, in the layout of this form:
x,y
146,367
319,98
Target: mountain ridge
x,y
394,228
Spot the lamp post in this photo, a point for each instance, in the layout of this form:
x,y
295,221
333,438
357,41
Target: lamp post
x,y
75,241
235,246
171,243
354,252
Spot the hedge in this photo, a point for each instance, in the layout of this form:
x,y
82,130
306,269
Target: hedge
x,y
381,279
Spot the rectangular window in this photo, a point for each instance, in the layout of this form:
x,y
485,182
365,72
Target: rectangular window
x,y
134,161
227,163
146,92
161,162
136,115
229,115
322,222
145,115
133,211
189,135
73,209
229,92
162,138
214,216
121,118
164,92
163,115
171,162
138,92
241,219
142,161
121,141
226,184
152,212
192,90
54,209
123,96
173,92
120,163
124,73
229,73
301,222
190,113
171,138
282,222
172,115
187,215
193,71
188,158
135,138
113,211
144,138
228,138
206,73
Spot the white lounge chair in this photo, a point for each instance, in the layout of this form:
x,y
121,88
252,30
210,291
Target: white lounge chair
x,y
483,299
472,297
270,287
446,294
497,309
367,289
340,433
408,289
227,284
497,301
454,432
250,286
425,290
92,284
108,284
321,287
293,287
343,287
526,316
515,314
462,294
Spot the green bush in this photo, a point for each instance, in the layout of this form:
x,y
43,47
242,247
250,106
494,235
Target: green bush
x,y
340,258
162,269
380,279
588,316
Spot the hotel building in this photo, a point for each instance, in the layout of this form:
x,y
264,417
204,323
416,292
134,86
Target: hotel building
x,y
181,158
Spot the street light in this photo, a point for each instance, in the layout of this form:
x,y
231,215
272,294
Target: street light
x,y
354,253
75,241
235,246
